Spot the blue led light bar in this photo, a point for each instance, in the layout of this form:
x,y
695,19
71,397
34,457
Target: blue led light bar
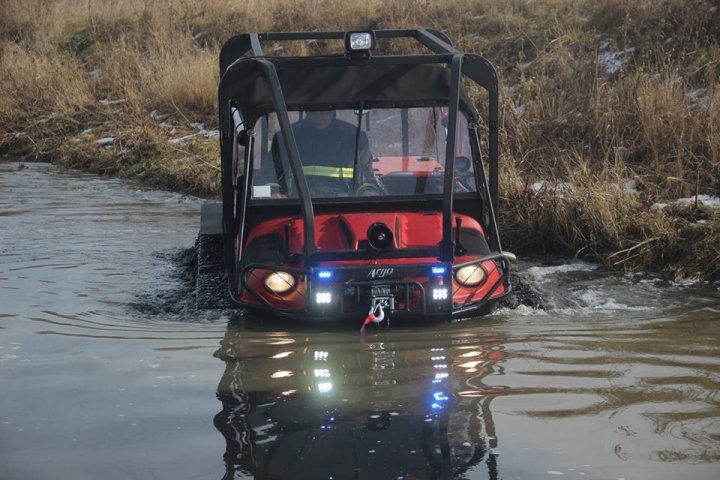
x,y
438,270
325,274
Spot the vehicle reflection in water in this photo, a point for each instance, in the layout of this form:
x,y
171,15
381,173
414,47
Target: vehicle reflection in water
x,y
314,405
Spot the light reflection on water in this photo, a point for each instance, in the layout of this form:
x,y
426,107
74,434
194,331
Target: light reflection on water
x,y
389,406
106,372
598,399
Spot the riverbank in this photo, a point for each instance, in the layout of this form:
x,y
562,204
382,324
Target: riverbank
x,y
609,109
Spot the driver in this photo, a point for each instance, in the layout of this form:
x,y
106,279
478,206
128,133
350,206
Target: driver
x,y
327,148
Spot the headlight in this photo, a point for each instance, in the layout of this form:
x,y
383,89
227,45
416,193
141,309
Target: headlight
x,y
323,298
280,282
470,276
359,41
440,293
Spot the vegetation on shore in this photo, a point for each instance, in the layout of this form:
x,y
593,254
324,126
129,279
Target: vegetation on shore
x,y
608,107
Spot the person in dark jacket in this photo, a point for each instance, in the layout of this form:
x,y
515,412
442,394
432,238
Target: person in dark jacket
x,y
330,150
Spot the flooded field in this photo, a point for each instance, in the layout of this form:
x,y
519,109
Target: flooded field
x,y
106,371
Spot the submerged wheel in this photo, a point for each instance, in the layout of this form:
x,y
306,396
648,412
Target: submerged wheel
x,y
211,287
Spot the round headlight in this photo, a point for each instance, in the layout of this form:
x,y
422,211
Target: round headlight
x,y
280,282
470,276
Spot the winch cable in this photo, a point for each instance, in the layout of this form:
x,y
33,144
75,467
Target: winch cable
x,y
375,315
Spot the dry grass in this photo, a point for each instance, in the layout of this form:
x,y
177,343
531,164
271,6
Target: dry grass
x,y
566,117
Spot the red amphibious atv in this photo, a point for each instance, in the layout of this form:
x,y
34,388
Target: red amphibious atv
x,y
356,182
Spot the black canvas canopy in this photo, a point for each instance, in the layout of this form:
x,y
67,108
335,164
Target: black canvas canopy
x,y
258,84
315,87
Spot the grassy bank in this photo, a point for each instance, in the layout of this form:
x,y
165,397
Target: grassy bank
x,y
597,96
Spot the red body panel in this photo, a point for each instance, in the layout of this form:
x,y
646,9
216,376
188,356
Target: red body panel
x,y
346,232
411,230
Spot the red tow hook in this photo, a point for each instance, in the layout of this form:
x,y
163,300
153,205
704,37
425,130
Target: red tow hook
x,y
373,317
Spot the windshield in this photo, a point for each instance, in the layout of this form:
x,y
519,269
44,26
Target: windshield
x,y
353,153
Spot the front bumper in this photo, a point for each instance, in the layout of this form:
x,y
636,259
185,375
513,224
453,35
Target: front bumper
x,y
342,292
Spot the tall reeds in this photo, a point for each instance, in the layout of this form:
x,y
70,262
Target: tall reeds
x,y
594,94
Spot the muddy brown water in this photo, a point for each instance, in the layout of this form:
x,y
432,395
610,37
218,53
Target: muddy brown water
x,y
107,372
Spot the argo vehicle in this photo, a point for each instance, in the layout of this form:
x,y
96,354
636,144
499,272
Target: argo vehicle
x,y
357,182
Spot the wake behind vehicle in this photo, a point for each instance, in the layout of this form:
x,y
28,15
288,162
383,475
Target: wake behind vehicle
x,y
357,182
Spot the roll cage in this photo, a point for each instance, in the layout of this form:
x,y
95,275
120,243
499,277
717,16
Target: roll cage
x,y
253,84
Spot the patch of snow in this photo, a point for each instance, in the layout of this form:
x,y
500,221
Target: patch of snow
x,y
710,201
697,98
629,186
156,115
201,131
94,76
105,141
707,200
604,46
107,101
527,65
183,139
545,185
613,62
521,110
48,118
86,131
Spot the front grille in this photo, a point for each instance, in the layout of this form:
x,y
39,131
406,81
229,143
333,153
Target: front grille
x,y
406,296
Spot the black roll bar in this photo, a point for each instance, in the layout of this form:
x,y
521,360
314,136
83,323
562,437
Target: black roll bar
x,y
288,139
239,45
448,243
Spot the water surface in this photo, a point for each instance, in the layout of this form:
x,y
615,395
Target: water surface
x,y
107,372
